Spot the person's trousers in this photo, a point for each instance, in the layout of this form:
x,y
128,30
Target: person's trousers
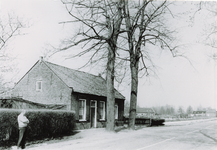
x,y
22,138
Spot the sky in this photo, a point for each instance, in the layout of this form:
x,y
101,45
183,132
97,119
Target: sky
x,y
179,81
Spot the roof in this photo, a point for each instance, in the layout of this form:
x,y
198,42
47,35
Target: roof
x,y
32,105
199,112
144,110
82,82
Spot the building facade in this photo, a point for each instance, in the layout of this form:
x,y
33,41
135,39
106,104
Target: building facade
x,y
47,83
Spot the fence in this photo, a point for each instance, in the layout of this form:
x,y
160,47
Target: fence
x,y
146,121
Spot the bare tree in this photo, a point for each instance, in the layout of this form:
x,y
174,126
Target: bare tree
x,y
162,110
145,25
211,31
10,27
100,23
180,110
189,110
200,108
209,17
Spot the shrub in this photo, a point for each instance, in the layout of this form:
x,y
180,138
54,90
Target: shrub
x,y
43,124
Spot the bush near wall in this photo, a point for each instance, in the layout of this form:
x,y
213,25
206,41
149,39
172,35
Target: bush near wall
x,y
43,124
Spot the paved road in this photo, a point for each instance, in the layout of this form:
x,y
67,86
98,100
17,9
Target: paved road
x,y
197,135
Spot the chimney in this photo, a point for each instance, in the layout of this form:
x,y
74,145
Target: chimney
x,y
41,58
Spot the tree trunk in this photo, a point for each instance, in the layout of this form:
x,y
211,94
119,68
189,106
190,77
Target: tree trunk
x,y
112,46
133,96
110,124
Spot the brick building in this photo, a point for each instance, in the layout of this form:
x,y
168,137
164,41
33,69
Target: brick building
x,y
48,83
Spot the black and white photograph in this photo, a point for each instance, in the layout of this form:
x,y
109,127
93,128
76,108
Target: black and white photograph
x,y
108,75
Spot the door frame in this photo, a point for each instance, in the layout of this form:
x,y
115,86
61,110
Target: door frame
x,y
95,112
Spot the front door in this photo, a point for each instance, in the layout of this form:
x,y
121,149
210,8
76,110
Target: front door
x,y
93,113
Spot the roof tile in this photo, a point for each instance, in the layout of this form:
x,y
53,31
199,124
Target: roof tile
x,y
82,82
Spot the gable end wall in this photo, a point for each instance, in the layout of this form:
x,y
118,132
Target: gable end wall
x,y
54,91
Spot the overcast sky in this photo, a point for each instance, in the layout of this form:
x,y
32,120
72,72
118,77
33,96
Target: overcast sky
x,y
178,82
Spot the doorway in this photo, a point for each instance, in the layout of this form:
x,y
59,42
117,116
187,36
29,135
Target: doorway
x,y
93,107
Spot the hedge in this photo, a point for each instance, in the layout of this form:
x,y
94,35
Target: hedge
x,y
43,124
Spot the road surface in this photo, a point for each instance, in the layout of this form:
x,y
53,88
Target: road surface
x,y
186,135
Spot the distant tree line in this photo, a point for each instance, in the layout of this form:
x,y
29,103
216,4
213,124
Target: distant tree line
x,y
170,110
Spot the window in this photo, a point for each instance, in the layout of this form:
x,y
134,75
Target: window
x,y
82,109
39,86
116,111
102,110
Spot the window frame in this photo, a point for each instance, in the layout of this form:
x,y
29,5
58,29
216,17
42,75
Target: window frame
x,y
37,86
103,116
84,113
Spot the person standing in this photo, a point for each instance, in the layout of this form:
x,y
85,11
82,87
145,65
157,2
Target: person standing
x,y
22,122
